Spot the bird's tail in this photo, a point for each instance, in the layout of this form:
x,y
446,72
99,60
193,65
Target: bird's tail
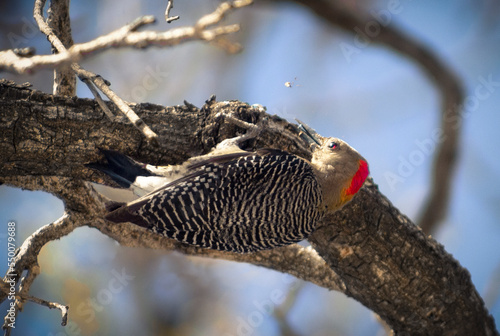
x,y
122,169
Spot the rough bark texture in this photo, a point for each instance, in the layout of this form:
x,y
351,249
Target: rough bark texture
x,y
59,21
389,265
384,261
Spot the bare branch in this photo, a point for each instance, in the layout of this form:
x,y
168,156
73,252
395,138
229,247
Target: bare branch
x,y
98,98
168,18
45,28
27,259
219,13
26,282
59,21
24,287
22,296
11,61
82,205
64,309
126,36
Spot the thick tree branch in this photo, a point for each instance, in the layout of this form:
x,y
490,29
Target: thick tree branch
x,y
389,263
384,261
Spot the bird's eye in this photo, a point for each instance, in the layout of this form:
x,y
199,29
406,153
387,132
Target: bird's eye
x,y
333,145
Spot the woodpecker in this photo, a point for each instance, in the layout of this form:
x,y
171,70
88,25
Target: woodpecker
x,y
240,201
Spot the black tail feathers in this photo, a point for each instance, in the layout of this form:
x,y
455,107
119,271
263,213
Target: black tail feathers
x,y
121,168
120,213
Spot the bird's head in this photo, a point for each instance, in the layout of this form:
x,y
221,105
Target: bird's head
x,y
339,168
341,171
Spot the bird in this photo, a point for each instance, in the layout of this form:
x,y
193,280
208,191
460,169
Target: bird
x,y
239,201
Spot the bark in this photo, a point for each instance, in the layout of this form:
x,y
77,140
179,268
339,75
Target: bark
x,y
373,252
390,266
59,22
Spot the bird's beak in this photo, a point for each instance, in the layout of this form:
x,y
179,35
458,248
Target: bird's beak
x,y
308,134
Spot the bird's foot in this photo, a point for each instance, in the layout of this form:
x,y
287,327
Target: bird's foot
x,y
253,131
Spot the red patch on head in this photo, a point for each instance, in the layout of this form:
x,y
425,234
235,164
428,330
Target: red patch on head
x,y
359,178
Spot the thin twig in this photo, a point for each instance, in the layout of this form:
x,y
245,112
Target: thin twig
x,y
136,24
24,287
10,60
128,36
23,298
168,18
26,282
64,309
97,97
219,13
120,103
26,257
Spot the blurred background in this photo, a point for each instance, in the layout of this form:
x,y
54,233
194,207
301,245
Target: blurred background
x,y
377,100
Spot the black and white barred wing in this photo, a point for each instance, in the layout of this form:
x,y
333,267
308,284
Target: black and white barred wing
x,y
268,201
241,203
176,206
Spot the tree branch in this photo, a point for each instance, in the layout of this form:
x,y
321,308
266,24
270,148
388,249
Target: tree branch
x,y
381,258
87,76
168,18
27,259
387,262
126,36
59,23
